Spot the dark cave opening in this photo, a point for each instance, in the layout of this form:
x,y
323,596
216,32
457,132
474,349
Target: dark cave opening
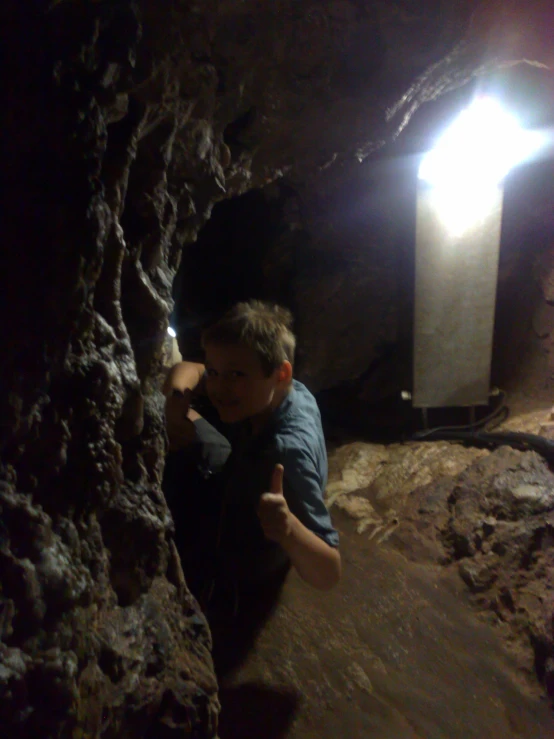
x,y
227,263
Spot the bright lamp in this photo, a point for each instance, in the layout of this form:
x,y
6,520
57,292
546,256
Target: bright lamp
x,y
472,158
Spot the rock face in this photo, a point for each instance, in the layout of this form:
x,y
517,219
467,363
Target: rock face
x,y
99,633
496,525
346,282
489,517
125,122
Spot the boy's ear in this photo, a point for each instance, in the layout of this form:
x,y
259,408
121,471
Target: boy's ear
x,y
285,372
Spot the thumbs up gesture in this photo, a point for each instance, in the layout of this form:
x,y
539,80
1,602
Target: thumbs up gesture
x,y
273,511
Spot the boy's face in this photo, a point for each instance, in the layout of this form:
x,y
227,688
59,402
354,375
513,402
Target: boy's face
x,y
237,385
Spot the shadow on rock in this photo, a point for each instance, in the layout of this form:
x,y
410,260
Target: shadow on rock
x,y
234,635
252,711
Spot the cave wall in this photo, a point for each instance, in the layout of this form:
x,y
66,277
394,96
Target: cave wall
x,y
124,123
99,633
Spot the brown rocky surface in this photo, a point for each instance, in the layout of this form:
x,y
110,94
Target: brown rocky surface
x,y
487,516
495,524
395,652
123,123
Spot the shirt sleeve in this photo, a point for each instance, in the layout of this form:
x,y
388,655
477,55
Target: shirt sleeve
x,y
304,494
214,448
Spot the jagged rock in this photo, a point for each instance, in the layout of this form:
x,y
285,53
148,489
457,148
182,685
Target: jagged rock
x,y
489,515
495,522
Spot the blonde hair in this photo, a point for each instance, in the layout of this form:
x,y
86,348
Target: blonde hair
x,y
263,327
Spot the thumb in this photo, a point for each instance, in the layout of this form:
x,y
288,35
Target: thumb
x,y
277,479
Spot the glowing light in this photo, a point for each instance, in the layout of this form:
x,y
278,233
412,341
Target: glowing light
x,y
171,332
472,158
460,208
482,145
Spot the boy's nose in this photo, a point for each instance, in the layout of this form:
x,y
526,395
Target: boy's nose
x,y
225,382
220,386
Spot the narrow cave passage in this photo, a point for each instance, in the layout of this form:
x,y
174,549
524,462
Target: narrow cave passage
x,y
271,150
228,262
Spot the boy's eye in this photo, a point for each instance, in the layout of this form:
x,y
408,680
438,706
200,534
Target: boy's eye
x,y
237,373
211,372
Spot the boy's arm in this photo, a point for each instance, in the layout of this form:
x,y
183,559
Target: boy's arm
x,y
318,563
183,376
178,387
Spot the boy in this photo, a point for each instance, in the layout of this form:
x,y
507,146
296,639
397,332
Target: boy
x,y
255,505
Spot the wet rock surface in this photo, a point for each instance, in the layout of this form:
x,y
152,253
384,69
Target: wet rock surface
x,y
396,652
486,516
495,526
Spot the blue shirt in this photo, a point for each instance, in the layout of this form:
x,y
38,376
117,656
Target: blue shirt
x,y
294,438
299,445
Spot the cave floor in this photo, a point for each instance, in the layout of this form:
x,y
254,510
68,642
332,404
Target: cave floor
x,y
395,652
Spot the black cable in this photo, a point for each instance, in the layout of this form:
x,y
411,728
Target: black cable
x,y
496,420
499,414
516,439
480,434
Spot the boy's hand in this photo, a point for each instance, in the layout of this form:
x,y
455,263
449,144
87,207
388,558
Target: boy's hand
x,y
273,511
